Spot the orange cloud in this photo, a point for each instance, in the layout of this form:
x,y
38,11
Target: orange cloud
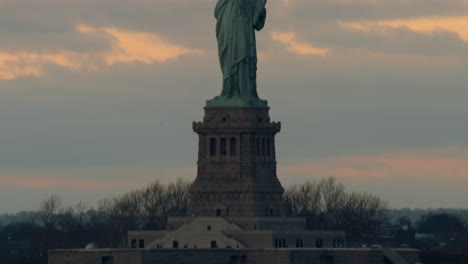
x,y
438,164
14,65
126,47
423,25
289,39
129,47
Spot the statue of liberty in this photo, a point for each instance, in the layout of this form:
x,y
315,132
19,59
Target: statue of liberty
x,y
237,21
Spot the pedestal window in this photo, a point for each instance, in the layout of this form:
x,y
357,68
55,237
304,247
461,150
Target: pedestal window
x,y
223,147
212,146
233,146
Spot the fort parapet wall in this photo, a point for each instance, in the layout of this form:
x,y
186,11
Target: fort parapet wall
x,y
230,256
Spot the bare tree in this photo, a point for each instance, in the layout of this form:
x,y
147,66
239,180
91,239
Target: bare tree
x,y
153,203
178,198
332,202
123,214
305,200
48,213
326,205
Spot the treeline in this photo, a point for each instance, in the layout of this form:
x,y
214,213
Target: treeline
x,y
55,226
435,230
367,219
9,218
414,214
325,204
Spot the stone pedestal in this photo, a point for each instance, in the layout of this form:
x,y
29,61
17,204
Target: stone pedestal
x,y
237,165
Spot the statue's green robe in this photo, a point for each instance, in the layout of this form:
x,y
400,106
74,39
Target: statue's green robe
x,y
237,21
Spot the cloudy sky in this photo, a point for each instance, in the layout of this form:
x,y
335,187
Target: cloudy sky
x,y
98,97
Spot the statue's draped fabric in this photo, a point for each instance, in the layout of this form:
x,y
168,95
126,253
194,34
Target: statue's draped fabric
x,y
237,21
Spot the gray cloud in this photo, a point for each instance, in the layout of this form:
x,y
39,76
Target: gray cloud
x,y
139,116
324,10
